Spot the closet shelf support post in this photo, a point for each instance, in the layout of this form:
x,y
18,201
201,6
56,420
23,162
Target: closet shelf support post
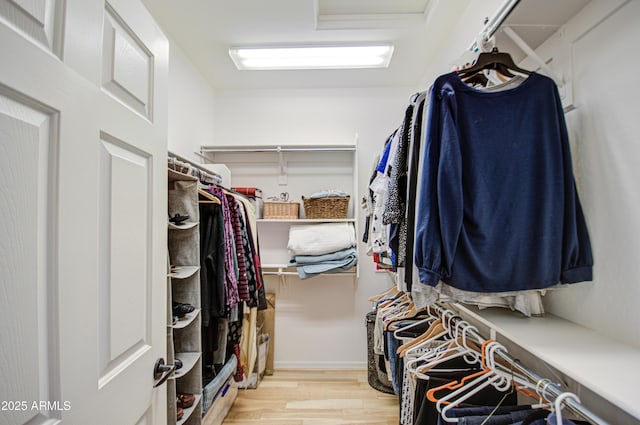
x,y
532,54
282,176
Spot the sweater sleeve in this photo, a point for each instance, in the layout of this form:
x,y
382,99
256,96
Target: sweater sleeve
x,y
577,258
439,215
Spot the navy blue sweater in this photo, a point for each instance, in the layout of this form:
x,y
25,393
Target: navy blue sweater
x,y
498,208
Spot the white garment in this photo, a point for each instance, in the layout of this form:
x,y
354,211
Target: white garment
x,y
319,239
379,186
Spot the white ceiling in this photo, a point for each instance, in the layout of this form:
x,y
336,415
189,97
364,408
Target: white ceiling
x,y
205,29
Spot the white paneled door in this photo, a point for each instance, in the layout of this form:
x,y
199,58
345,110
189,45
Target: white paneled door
x,y
83,140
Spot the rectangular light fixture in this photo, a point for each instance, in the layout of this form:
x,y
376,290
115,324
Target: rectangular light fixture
x,y
312,57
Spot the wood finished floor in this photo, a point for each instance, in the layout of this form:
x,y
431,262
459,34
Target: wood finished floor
x,y
303,397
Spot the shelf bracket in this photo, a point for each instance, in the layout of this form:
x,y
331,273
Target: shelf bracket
x,y
533,55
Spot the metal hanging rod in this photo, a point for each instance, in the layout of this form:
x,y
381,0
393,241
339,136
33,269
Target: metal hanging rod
x,y
278,149
549,388
497,21
492,25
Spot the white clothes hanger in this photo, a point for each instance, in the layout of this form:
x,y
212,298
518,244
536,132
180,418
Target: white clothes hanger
x,y
558,405
489,378
458,347
435,331
411,326
453,346
393,305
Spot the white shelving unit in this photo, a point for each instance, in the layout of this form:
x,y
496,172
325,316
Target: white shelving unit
x,y
298,170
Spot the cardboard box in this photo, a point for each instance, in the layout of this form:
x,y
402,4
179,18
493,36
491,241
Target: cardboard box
x,y
267,320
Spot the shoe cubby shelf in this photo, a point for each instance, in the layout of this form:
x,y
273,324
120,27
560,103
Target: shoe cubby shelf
x,y
187,320
189,360
188,412
185,226
183,272
184,337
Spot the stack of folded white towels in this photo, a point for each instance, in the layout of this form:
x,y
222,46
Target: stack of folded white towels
x,y
322,248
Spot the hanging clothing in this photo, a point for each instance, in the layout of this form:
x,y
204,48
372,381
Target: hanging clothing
x,y
498,206
413,159
212,263
236,226
378,187
396,202
231,273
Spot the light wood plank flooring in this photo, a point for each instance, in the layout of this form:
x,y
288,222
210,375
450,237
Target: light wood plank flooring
x,y
303,397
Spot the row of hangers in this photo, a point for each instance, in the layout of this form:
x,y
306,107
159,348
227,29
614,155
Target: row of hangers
x,y
185,167
478,73
205,179
454,338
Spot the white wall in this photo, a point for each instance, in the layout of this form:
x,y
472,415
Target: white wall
x,y
320,323
606,153
191,101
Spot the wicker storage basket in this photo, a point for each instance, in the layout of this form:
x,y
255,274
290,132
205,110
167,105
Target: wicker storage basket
x,y
281,210
329,207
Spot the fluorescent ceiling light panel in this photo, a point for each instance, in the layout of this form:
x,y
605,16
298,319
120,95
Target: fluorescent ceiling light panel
x,y
316,57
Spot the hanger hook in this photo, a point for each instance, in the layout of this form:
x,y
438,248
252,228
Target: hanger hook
x,y
468,327
457,331
446,320
491,352
443,319
558,404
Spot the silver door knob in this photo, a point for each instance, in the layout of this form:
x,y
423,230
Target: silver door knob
x,y
161,372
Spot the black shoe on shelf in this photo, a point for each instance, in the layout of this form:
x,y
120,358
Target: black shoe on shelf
x,y
178,219
180,310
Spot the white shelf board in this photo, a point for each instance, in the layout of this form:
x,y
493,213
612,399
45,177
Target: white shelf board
x,y
183,272
307,220
277,266
288,270
189,360
338,274
608,367
189,411
187,319
187,225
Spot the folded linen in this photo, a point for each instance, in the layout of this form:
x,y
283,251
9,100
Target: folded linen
x,y
315,259
310,265
329,193
318,239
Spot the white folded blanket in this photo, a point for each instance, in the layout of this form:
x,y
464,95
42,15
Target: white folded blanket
x,y
318,239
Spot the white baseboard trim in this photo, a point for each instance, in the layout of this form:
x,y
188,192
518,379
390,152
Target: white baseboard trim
x,y
319,365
